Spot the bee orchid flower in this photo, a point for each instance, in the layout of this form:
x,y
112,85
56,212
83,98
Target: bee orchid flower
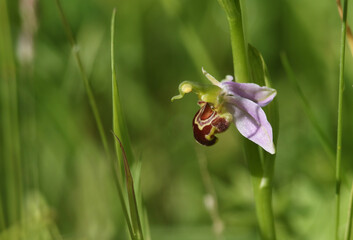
x,y
222,103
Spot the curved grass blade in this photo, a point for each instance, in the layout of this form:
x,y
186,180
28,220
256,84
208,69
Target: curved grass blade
x,y
326,143
119,124
135,218
328,146
117,128
339,117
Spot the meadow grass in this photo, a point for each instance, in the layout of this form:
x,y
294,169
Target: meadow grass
x,y
60,177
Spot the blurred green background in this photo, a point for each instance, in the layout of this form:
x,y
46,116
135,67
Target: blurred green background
x,y
67,187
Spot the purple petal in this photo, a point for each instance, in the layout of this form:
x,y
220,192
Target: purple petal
x,y
261,95
251,121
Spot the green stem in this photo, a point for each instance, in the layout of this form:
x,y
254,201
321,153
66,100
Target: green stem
x,y
10,149
339,118
262,179
261,171
88,88
239,46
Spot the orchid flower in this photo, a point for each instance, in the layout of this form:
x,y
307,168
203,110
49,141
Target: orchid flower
x,y
228,101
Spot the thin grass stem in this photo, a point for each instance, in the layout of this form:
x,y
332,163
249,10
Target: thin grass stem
x,y
307,108
88,88
339,118
11,149
349,30
327,145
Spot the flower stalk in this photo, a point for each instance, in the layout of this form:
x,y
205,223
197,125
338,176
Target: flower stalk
x,y
10,153
239,46
261,163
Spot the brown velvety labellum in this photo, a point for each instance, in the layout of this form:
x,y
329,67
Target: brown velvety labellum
x,y
206,123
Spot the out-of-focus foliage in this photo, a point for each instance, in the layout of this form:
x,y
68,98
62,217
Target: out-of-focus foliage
x,y
160,43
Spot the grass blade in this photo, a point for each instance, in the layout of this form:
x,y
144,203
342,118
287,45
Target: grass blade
x,y
116,127
326,143
10,140
119,125
135,218
307,108
349,31
339,117
88,88
190,39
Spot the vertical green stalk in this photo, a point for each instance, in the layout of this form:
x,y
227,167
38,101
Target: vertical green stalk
x,y
88,88
239,46
261,165
10,152
261,170
339,118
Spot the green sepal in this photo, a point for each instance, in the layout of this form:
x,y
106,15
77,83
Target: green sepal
x,y
206,92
